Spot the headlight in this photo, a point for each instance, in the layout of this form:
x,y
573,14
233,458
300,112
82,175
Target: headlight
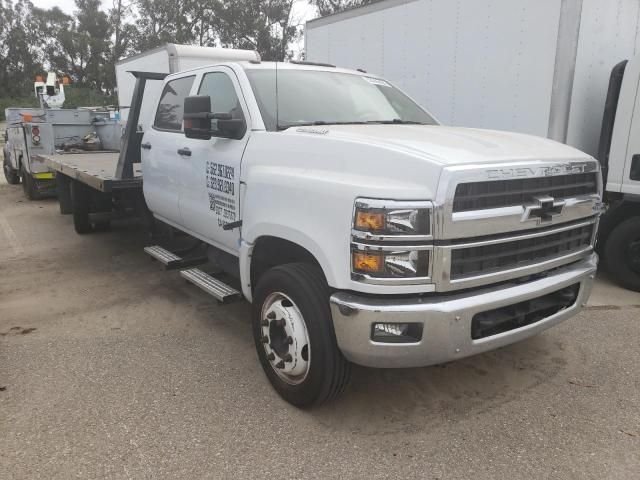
x,y
381,218
398,262
370,262
392,241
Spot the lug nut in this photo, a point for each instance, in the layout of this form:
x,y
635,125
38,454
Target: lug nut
x,y
289,341
271,315
265,339
264,322
280,364
288,358
271,357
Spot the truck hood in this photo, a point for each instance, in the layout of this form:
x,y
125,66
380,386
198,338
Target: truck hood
x,y
452,145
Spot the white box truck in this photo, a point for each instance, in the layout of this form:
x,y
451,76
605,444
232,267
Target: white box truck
x,y
539,67
169,58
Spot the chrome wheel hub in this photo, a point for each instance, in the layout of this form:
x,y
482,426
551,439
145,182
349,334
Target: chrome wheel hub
x,y
284,338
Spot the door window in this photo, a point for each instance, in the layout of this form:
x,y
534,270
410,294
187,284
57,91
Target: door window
x,y
171,107
224,98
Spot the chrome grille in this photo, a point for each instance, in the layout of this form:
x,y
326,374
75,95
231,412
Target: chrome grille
x,y
498,256
504,193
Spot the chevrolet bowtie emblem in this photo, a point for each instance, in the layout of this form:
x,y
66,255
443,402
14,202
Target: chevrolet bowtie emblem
x,y
543,210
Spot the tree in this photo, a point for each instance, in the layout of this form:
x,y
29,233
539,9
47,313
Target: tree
x,y
163,21
265,26
327,7
93,34
19,58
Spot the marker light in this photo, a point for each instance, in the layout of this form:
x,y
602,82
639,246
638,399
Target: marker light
x,y
370,221
402,263
392,218
367,262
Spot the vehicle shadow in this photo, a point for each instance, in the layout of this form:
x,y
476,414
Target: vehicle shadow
x,y
385,401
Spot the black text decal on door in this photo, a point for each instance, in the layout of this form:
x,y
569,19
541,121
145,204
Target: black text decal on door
x,y
221,189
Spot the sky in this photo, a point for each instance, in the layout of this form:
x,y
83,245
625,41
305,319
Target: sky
x,y
302,7
302,11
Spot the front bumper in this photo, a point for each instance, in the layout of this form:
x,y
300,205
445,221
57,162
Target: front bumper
x,y
447,319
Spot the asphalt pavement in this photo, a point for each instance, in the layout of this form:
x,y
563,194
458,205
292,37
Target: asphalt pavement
x,y
113,368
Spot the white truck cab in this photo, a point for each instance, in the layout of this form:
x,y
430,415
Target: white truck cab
x,y
619,153
361,229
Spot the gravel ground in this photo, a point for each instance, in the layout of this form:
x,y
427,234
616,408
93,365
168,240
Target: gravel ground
x,y
112,368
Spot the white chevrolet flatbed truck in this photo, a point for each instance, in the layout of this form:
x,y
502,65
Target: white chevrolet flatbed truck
x,y
361,230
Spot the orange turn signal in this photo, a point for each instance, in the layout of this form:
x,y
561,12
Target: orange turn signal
x,y
373,221
367,262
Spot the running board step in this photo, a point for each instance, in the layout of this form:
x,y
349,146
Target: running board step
x,y
170,260
214,287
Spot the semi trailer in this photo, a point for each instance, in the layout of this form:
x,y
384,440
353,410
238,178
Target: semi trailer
x,y
360,228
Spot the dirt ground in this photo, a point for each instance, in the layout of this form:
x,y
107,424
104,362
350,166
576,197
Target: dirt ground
x,y
113,368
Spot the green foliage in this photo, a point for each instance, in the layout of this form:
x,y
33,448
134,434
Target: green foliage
x,y
87,97
86,45
8,102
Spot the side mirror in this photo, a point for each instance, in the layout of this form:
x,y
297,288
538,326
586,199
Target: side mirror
x,y
229,127
197,117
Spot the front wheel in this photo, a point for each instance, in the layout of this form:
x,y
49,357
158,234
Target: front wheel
x,y
622,253
294,336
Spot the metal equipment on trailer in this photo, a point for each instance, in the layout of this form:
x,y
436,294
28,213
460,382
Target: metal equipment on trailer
x,y
33,133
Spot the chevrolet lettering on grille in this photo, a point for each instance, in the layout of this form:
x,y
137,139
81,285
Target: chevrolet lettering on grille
x,y
543,211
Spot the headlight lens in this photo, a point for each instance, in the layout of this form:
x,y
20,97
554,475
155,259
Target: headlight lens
x,y
391,263
380,217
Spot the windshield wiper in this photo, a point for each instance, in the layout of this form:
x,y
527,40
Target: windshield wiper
x,y
319,122
396,121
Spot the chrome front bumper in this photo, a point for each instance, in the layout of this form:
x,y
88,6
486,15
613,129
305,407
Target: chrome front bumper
x,y
447,319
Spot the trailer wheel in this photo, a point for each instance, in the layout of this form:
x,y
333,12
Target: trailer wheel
x,y
63,187
622,253
81,201
29,185
294,336
12,175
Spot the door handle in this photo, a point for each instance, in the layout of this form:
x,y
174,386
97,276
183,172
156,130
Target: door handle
x,y
146,146
184,151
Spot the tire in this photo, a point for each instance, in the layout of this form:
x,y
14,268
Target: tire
x,y
29,185
63,187
12,175
622,254
302,291
81,200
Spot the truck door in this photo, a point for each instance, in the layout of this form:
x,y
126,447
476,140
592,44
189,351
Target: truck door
x,y
160,152
210,196
631,170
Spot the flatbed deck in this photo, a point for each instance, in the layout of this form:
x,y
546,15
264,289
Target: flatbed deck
x,y
96,169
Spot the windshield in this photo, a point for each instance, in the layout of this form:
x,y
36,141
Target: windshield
x,y
319,97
